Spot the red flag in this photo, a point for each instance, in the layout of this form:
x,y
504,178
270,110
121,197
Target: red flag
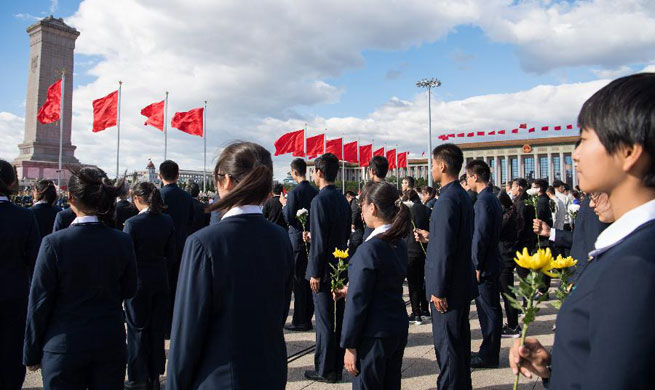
x,y
422,154
189,122
315,145
515,131
557,128
523,126
502,131
569,127
155,115
334,146
460,135
470,135
443,137
402,160
105,112
451,135
379,152
493,132
350,152
544,128
480,133
51,108
531,130
391,157
365,154
293,142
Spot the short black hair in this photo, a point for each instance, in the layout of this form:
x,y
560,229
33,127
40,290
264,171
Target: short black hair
x,y
557,183
351,193
379,165
521,182
329,165
451,155
462,179
410,181
623,114
542,184
277,188
169,170
193,188
299,165
550,190
480,169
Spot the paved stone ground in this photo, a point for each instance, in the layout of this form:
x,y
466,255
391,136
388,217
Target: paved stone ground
x,y
419,363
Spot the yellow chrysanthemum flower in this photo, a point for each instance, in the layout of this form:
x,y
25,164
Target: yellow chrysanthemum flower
x,y
540,261
563,262
339,254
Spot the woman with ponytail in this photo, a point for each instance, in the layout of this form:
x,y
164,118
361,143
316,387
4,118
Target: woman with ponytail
x,y
44,209
75,331
19,245
226,268
375,320
153,235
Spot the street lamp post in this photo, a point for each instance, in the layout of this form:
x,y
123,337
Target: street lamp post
x,y
429,84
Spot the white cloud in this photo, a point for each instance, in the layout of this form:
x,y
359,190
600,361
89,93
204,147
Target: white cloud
x,y
12,130
54,4
26,16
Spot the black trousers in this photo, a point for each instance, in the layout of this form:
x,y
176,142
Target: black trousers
x,y
416,284
506,280
491,319
303,303
173,273
379,361
452,345
12,334
328,357
356,239
98,370
146,315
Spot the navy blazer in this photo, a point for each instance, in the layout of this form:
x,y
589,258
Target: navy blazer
x,y
374,304
329,221
81,278
153,236
299,198
19,247
228,267
200,216
525,215
45,214
123,210
449,271
486,234
272,211
180,208
605,336
63,219
421,218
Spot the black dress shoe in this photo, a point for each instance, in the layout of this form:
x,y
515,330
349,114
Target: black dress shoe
x,y
329,378
298,328
477,362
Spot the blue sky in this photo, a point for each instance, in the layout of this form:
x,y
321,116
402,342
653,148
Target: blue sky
x,y
348,67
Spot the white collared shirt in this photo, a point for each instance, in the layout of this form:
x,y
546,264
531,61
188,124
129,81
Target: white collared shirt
x,y
86,219
144,210
4,198
247,209
379,230
39,202
623,227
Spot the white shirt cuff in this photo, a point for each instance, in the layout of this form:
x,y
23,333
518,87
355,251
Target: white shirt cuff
x,y
552,235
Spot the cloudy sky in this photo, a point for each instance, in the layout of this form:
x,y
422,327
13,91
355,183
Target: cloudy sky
x,y
347,68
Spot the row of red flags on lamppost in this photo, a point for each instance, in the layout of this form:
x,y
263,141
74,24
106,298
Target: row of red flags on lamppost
x,y
522,127
311,147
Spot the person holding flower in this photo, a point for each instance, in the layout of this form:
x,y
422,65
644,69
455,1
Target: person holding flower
x,y
375,323
605,337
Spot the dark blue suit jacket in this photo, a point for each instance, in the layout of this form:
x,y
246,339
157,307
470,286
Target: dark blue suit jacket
x,y
605,336
63,219
82,275
122,211
299,198
153,236
45,216
486,234
200,217
19,246
449,271
180,208
228,267
421,218
329,221
375,305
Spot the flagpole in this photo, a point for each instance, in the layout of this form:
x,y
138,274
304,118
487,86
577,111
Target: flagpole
x,y
397,170
61,124
166,126
118,128
343,171
204,137
359,165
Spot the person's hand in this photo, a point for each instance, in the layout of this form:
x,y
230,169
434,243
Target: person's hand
x,y
350,361
283,200
338,294
439,303
307,237
421,235
478,275
541,228
34,367
530,358
314,284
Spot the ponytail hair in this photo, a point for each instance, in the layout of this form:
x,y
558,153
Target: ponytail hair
x,y
150,195
7,178
390,208
94,193
250,167
45,190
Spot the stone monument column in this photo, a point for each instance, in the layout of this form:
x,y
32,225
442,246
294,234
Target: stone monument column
x,y
52,44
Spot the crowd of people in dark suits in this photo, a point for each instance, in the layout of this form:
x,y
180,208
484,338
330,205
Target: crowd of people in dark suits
x,y
97,287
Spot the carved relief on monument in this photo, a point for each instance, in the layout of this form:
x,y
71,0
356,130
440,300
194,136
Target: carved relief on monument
x,y
34,64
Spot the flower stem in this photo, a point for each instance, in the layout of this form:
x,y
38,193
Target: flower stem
x,y
524,332
422,247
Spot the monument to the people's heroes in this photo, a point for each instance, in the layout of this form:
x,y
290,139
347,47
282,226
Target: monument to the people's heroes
x,y
52,44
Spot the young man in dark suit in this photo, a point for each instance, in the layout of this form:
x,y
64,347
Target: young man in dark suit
x,y
329,221
200,216
180,208
123,211
273,207
378,168
63,219
299,198
449,272
420,215
487,260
